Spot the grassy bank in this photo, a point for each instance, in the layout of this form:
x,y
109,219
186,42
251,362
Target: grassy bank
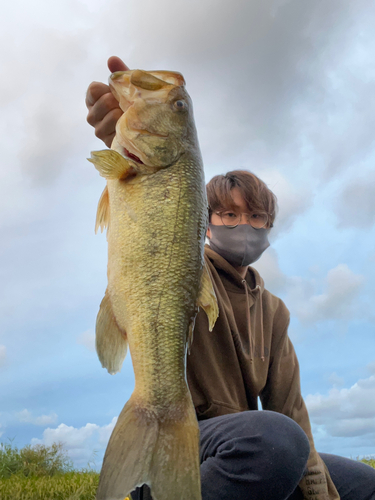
x,y
45,473
369,461
69,486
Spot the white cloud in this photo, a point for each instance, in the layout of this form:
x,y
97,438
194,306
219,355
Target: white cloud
x,y
44,108
355,205
44,420
282,82
3,355
293,200
81,444
335,380
268,267
87,339
345,412
70,436
337,301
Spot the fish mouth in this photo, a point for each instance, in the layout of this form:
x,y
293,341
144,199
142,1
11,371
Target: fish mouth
x,y
131,156
128,148
131,133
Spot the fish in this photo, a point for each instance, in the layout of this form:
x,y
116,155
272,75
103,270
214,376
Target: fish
x,y
154,208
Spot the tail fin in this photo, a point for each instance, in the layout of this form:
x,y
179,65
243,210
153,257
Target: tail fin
x,y
162,454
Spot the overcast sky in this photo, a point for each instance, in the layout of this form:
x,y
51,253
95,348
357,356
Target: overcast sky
x,y
282,88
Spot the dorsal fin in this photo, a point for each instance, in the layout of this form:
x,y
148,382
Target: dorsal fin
x,y
102,213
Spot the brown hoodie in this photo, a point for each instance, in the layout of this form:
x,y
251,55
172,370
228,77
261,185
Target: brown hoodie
x,y
249,355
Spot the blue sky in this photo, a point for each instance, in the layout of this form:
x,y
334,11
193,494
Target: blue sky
x,y
282,88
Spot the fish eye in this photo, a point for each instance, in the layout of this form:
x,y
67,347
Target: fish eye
x,y
180,104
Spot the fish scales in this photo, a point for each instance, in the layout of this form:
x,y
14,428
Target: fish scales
x,y
155,209
159,273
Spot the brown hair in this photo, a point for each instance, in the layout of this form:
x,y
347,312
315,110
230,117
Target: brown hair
x,y
257,195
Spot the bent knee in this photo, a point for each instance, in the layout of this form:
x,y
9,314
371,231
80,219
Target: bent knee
x,y
278,438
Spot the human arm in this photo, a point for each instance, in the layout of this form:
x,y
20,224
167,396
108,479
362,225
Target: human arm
x,y
103,107
282,393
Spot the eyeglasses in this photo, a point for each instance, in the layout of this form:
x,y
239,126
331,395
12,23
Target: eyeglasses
x,y
257,220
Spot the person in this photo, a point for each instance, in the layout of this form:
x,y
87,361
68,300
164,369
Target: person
x,y
246,453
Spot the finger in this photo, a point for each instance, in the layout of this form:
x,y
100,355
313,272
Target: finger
x,y
106,103
105,129
108,141
116,64
95,92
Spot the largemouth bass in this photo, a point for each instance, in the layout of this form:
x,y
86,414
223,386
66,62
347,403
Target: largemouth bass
x,y
155,209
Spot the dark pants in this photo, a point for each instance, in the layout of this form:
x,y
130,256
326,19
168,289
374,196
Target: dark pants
x,y
261,455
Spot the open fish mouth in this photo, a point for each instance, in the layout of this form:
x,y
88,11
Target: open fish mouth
x,y
140,135
126,147
131,156
129,150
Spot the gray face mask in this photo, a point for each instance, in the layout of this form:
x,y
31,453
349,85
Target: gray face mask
x,y
241,245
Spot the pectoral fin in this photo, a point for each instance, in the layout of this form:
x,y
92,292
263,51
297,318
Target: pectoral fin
x,y
111,165
207,298
102,213
111,343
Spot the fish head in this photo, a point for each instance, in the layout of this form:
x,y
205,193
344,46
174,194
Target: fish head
x,y
157,126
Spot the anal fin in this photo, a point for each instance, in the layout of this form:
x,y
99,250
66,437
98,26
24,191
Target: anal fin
x,y
111,164
110,342
207,298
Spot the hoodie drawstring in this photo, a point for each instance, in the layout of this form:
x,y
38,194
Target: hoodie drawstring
x,y
260,316
248,319
260,322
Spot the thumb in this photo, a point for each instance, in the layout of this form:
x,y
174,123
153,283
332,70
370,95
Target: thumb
x,y
116,64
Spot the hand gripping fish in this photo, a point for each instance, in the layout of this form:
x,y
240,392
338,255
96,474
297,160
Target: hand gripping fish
x,y
155,209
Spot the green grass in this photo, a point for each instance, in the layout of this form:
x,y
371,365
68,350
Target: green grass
x,y
69,486
33,461
45,473
369,461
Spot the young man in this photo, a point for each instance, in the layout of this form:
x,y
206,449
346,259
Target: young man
x,y
247,453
